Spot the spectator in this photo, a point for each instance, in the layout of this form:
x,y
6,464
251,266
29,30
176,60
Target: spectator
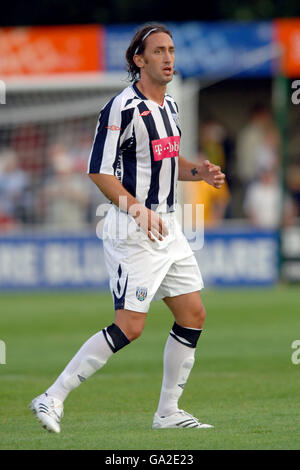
x,y
13,184
65,195
263,202
215,201
257,143
7,223
29,141
217,145
212,135
293,184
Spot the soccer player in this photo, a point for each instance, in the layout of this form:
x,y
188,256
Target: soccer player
x,y
135,162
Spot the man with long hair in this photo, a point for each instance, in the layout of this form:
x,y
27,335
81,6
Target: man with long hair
x,y
135,162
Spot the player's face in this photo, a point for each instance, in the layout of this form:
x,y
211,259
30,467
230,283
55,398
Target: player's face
x,y
159,58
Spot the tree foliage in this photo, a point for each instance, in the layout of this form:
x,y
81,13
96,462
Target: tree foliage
x,y
47,12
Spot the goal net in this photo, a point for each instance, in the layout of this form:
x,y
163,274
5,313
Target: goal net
x,y
46,133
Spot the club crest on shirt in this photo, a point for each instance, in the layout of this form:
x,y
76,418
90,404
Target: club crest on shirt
x,y
141,293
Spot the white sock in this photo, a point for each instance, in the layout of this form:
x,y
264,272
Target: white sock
x,y
93,354
178,362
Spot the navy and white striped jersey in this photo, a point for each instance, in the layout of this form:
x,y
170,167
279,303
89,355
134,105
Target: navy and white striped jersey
x,y
138,141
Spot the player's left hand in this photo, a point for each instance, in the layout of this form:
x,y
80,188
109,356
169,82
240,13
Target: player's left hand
x,y
212,174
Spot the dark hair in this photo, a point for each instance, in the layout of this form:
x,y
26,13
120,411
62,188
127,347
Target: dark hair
x,y
258,109
137,46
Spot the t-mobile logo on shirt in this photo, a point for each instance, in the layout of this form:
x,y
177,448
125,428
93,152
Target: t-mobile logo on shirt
x,y
166,147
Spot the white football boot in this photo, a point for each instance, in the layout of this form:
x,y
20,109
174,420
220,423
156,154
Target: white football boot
x,y
49,411
180,419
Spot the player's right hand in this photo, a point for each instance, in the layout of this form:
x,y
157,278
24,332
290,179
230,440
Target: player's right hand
x,y
149,221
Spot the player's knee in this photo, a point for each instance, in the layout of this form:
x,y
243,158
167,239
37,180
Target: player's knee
x,y
133,328
131,323
199,316
134,331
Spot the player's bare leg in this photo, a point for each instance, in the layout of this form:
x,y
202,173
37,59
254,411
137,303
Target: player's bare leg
x,y
179,357
188,309
94,353
131,323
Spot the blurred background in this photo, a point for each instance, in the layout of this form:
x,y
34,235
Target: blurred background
x,y
237,63
238,91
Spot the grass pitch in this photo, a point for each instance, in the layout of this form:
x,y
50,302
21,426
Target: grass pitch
x,y
243,381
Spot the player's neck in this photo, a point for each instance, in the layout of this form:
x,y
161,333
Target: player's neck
x,y
152,91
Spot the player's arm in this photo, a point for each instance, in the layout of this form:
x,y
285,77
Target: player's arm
x,y
203,171
112,188
101,167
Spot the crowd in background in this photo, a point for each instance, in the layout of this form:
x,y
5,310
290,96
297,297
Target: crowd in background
x,y
254,180
42,178
43,182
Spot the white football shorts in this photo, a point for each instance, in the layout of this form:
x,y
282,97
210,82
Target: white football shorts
x,y
141,270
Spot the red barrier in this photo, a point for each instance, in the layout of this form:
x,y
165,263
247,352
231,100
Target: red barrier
x,y
51,50
287,33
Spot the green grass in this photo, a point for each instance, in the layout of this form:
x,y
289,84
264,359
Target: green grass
x,y
243,380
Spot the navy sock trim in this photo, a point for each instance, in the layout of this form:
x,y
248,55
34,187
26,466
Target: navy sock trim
x,y
185,336
118,338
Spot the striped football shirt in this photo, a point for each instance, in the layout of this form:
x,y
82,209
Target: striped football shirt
x,y
138,140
